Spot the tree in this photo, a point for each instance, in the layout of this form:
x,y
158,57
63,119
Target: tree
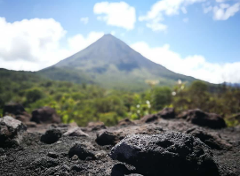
x,y
33,95
161,97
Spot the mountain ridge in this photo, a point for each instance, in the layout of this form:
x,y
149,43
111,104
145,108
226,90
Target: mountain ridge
x,y
110,59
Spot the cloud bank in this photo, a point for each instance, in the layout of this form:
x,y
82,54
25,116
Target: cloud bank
x,y
35,44
196,65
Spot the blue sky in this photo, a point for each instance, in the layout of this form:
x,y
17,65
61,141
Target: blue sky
x,y
194,37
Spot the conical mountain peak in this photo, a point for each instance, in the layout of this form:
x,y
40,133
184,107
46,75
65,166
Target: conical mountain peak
x,y
109,59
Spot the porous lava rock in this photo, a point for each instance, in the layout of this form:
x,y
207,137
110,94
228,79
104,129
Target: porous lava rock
x,y
108,137
167,113
51,136
168,154
214,141
11,131
83,151
149,118
45,115
96,126
198,117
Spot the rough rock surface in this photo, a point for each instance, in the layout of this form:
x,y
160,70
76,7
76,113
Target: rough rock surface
x,y
11,131
213,140
167,113
168,154
201,118
45,115
35,158
51,136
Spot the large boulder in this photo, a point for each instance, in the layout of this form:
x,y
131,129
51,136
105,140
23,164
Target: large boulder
x,y
167,113
45,115
168,154
198,117
11,131
13,109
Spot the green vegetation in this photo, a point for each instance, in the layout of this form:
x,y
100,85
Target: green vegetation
x,y
88,102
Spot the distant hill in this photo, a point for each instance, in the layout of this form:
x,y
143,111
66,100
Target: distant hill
x,y
112,64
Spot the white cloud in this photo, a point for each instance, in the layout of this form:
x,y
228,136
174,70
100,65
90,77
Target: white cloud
x,y
35,44
84,20
225,11
163,8
196,65
118,14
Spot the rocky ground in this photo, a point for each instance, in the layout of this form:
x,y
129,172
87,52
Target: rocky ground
x,y
155,145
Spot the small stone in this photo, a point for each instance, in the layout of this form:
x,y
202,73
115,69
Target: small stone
x,y
83,151
52,155
51,136
75,157
108,137
76,131
76,168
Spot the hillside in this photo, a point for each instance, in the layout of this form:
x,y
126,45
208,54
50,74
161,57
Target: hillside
x,y
113,64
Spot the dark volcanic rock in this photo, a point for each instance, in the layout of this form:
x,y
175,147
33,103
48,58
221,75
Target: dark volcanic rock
x,y
125,122
76,131
77,168
149,118
120,170
45,115
11,131
167,154
212,140
15,109
201,118
108,138
52,155
96,126
167,113
83,151
24,117
51,136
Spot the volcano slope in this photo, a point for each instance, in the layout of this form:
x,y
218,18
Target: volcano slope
x,y
159,147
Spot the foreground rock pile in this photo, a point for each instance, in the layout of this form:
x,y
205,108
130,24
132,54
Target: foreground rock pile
x,y
159,144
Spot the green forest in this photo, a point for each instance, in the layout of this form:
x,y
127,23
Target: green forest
x,y
83,103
